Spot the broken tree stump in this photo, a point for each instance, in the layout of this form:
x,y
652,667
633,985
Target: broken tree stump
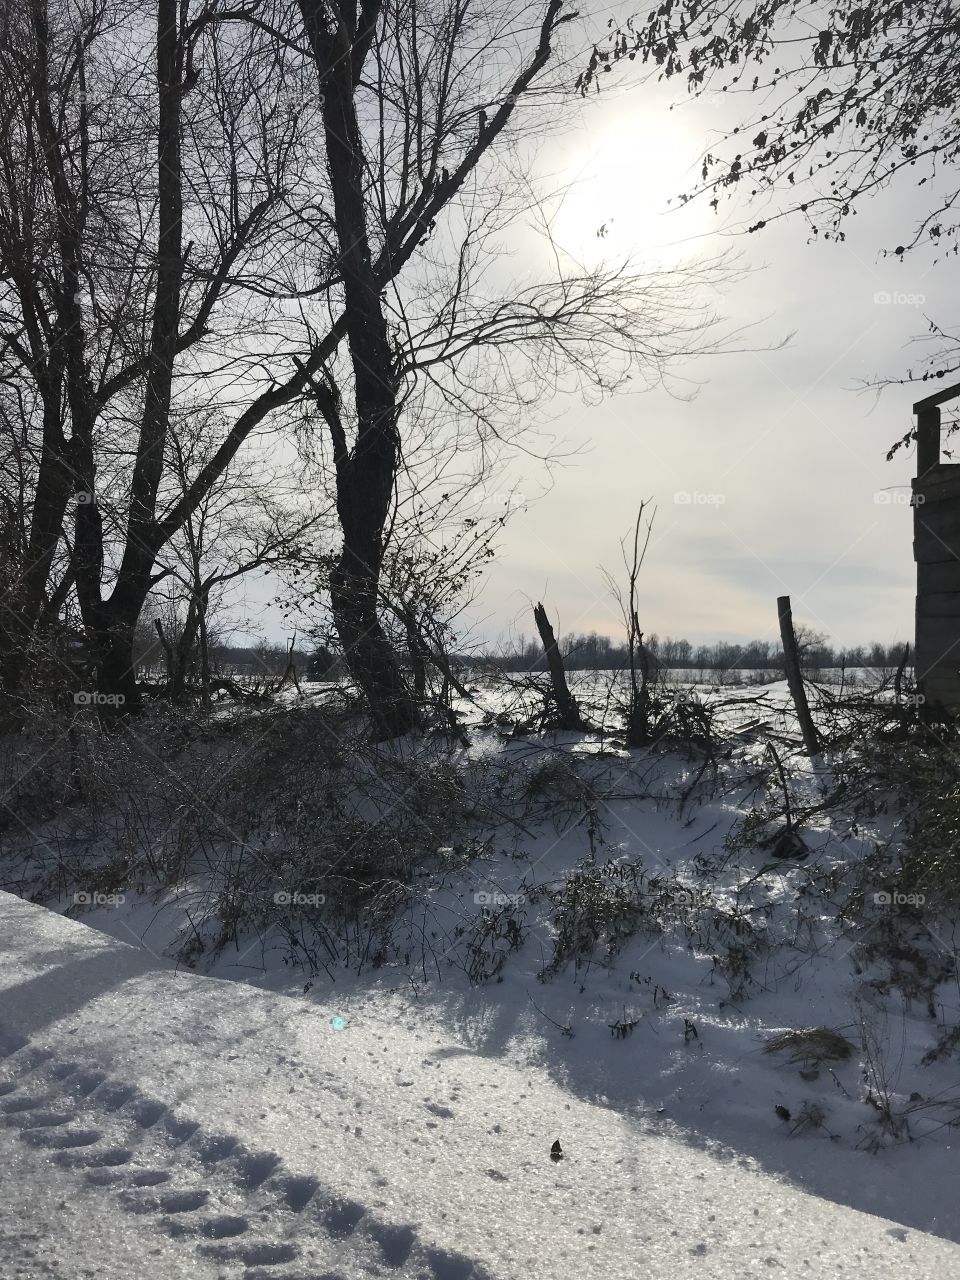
x,y
568,713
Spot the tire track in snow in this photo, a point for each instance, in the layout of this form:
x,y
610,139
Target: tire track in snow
x,y
239,1208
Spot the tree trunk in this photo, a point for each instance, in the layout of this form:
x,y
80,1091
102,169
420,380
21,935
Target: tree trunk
x,y
202,603
368,653
59,366
186,647
419,654
112,622
25,601
167,653
568,713
366,473
638,718
117,691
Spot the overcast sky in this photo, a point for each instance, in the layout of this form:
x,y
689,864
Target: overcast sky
x,y
773,479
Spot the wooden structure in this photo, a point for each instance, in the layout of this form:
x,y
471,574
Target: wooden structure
x,y
936,549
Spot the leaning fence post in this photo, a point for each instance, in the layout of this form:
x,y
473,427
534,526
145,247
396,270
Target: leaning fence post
x,y
791,659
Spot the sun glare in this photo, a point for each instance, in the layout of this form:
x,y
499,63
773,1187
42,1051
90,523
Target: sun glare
x,y
620,189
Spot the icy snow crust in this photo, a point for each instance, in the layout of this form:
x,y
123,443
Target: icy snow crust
x,y
161,1124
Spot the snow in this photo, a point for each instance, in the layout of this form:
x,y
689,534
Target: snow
x,y
165,1124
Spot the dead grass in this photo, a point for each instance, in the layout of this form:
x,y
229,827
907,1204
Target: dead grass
x,y
811,1046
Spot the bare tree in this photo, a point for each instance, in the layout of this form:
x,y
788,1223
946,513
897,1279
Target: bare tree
x,y
433,562
127,224
438,129
249,521
633,550
291,216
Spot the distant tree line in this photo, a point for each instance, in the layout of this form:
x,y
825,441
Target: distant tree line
x,y
595,652
581,652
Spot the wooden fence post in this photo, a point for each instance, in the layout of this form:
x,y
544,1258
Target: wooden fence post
x,y
791,658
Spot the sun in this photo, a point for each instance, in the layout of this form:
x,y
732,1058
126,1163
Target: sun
x,y
620,191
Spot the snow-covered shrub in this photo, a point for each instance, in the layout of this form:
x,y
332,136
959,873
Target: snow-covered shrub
x,y
597,906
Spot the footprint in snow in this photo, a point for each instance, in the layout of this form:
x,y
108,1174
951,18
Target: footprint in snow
x,y
87,1081
298,1191
253,1168
107,1158
260,1253
340,1219
37,1119
111,1097
231,1167
171,1202
149,1178
214,1147
62,1138
27,1103
147,1112
224,1227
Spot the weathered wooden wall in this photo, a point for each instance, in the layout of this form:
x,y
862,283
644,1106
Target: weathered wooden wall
x,y
936,549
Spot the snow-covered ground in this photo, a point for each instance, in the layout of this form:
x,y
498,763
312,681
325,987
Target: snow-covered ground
x,y
165,1124
608,952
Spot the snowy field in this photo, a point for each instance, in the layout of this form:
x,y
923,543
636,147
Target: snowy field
x,y
227,1072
